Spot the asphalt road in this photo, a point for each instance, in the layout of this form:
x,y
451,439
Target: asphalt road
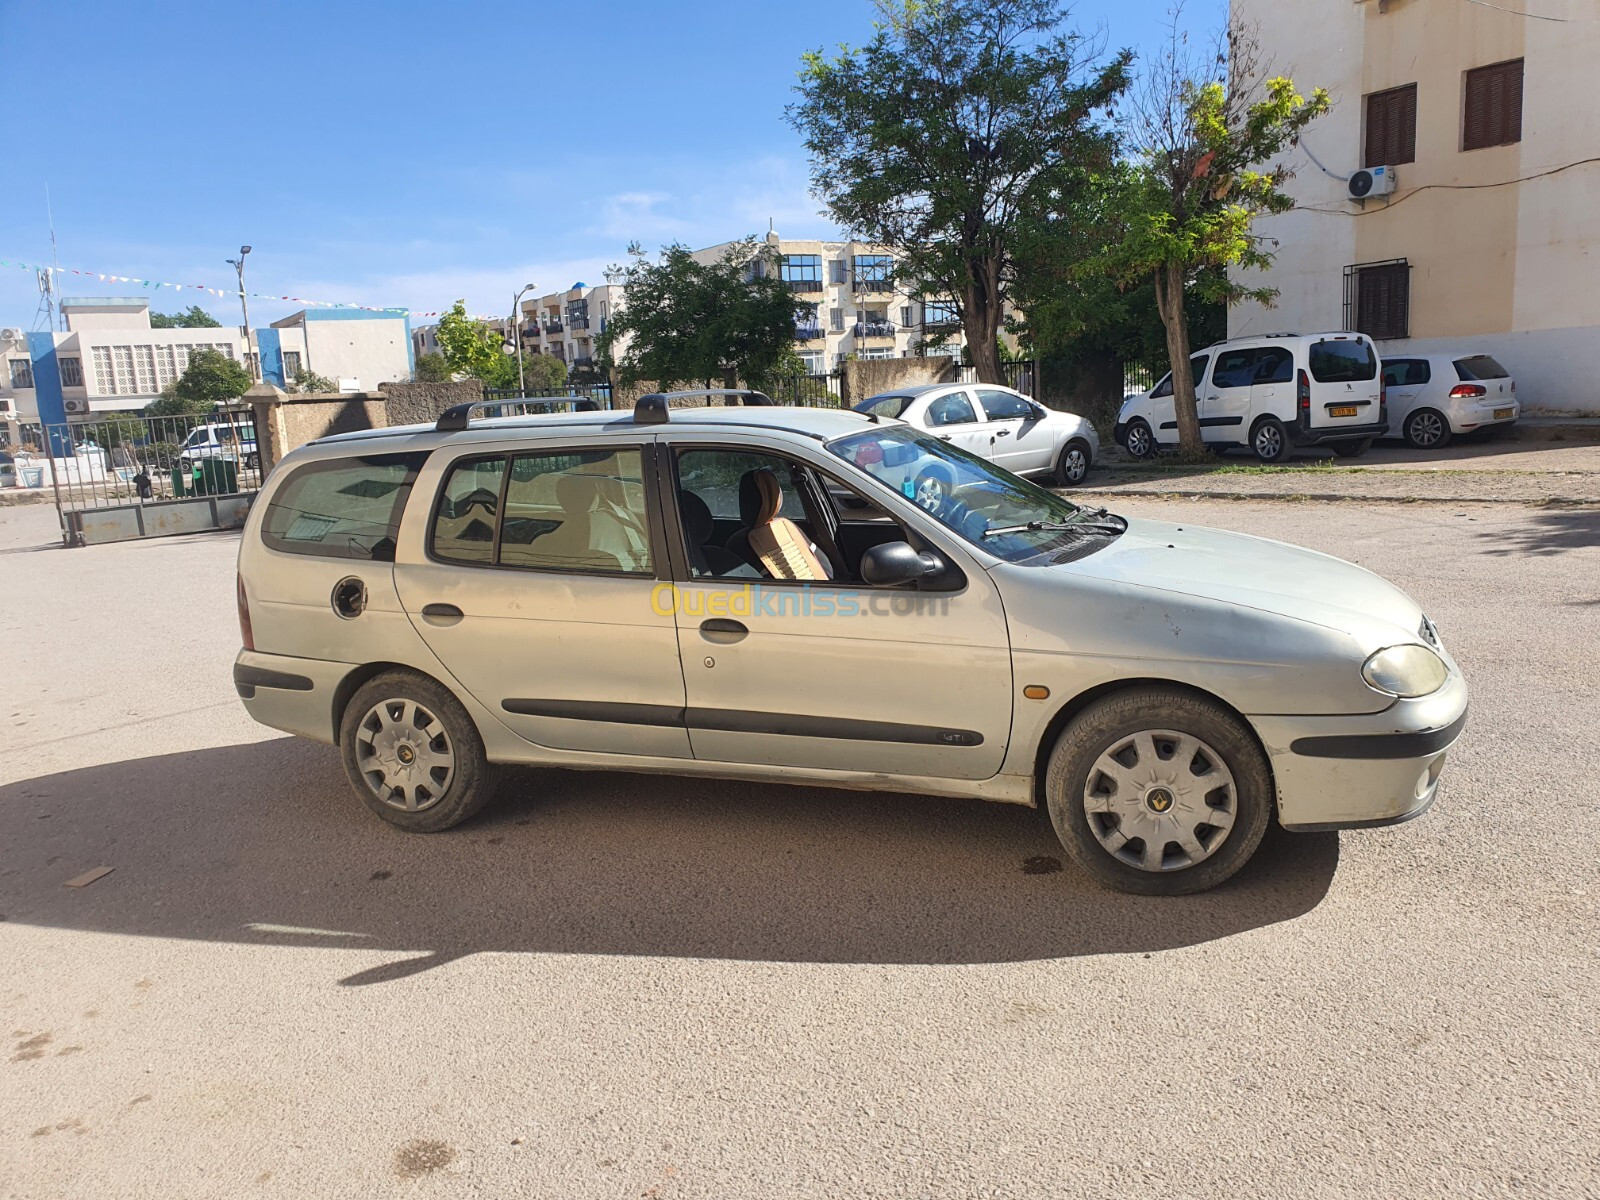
x,y
614,986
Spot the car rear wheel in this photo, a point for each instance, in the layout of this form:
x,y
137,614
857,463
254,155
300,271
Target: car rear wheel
x,y
1073,465
413,754
1270,440
1353,449
1426,429
1158,791
1139,441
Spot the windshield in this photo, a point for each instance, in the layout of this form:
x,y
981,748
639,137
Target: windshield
x,y
969,495
884,406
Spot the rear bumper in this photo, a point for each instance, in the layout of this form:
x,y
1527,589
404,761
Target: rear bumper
x,y
292,694
1300,435
1466,416
1361,772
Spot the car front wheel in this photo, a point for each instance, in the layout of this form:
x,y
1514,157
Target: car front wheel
x,y
1140,442
413,754
1158,791
1073,465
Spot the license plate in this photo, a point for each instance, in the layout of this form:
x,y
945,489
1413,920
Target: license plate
x,y
1502,414
1348,410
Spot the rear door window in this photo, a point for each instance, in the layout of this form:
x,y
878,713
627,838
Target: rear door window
x,y
1343,360
1236,368
1406,372
343,507
1480,366
954,409
1003,406
1275,364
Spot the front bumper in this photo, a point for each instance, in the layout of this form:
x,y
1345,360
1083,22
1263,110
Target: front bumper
x,y
1119,433
1363,771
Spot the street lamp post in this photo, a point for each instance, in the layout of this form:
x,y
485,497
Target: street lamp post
x,y
238,265
516,329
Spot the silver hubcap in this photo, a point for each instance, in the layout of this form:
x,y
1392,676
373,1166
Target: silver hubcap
x,y
405,755
1139,441
1426,429
1077,465
930,494
1268,441
1160,800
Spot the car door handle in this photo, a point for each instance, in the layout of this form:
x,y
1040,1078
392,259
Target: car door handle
x,y
944,437
441,614
723,631
1002,433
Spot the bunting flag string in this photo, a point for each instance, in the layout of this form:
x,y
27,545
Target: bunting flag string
x,y
221,292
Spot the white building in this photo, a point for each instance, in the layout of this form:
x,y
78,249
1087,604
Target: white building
x,y
860,308
1483,124
568,324
111,360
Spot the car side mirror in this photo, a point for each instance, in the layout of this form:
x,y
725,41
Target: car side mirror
x,y
894,563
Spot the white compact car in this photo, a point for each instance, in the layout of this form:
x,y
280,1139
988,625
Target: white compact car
x,y
1272,394
1432,396
998,424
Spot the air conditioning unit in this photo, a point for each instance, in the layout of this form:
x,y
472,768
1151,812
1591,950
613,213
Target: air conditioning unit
x,y
12,335
1373,181
76,406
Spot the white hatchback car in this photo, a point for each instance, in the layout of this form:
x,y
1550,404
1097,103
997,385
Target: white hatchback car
x,y
998,424
1272,393
1432,396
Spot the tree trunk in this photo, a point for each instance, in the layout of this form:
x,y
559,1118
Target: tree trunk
x,y
1169,301
980,318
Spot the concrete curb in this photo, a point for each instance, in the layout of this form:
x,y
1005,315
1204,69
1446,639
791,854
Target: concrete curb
x,y
1212,494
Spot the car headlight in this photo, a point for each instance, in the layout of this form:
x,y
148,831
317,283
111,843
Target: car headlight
x,y
1406,671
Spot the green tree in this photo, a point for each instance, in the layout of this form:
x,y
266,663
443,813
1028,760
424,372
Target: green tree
x,y
959,117
432,368
472,348
688,321
544,372
212,378
1202,130
194,318
307,382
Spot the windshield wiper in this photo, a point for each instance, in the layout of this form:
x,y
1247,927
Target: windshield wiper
x,y
1085,520
1030,527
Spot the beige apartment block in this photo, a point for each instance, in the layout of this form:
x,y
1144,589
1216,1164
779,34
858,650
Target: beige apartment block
x,y
1487,124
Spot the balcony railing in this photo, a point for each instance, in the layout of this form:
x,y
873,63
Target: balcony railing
x,y
805,285
873,285
552,326
875,329
807,332
578,322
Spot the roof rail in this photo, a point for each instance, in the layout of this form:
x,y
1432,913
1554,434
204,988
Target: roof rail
x,y
652,409
458,416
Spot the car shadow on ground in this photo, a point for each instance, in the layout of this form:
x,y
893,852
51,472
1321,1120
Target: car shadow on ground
x,y
1552,532
264,843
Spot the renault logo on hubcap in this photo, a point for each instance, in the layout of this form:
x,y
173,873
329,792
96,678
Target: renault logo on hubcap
x,y
1158,799
406,754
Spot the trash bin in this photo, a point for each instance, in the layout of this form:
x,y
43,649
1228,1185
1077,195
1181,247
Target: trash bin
x,y
180,482
216,477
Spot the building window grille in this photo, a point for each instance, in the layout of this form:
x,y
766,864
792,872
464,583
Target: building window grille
x,y
291,365
21,373
1377,299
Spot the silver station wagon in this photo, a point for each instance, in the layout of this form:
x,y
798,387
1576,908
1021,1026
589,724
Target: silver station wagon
x,y
778,594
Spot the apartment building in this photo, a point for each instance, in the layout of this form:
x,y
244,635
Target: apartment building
x,y
1447,202
860,308
568,324
109,359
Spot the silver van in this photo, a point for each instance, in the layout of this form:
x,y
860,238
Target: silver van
x,y
776,594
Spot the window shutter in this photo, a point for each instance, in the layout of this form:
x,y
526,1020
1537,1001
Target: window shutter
x,y
1391,127
1406,118
1493,109
1383,301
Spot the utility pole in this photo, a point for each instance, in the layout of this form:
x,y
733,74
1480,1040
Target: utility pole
x,y
237,264
516,332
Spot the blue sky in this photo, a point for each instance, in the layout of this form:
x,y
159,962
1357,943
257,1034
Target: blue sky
x,y
398,154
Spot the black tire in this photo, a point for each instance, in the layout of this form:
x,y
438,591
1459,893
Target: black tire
x,y
1116,720
1270,440
1139,441
1426,429
453,797
1353,449
1072,467
252,462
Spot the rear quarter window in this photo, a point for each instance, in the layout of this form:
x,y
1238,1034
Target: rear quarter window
x,y
884,406
1480,366
342,507
1347,360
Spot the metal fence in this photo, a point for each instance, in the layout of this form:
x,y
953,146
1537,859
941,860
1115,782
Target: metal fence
x,y
1021,375
510,402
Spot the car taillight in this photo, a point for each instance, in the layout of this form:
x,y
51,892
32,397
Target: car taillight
x,y
1303,393
1466,391
1383,402
1513,387
247,635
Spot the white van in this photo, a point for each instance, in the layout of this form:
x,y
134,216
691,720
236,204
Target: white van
x,y
1271,393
